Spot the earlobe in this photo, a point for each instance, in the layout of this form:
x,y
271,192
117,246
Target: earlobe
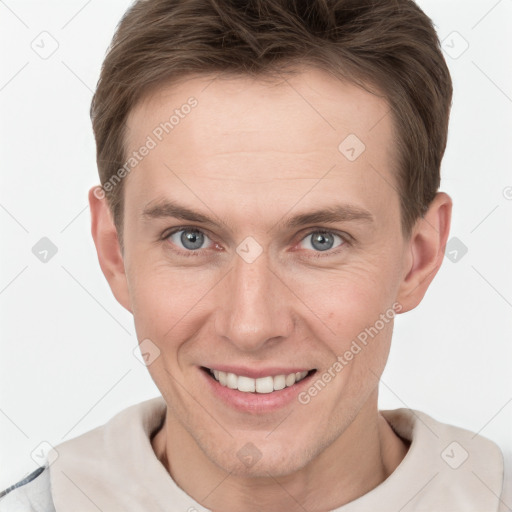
x,y
105,237
425,251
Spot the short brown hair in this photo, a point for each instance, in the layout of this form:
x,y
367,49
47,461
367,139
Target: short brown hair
x,y
389,46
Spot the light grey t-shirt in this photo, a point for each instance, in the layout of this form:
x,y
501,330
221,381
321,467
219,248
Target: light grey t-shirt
x,y
113,469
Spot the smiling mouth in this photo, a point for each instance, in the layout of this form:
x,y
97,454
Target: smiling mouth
x,y
261,385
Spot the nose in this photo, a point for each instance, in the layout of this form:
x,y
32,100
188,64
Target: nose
x,y
254,308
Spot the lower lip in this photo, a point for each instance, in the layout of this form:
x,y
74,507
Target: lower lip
x,y
256,403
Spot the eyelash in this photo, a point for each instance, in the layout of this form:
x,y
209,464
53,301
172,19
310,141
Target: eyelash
x,y
316,254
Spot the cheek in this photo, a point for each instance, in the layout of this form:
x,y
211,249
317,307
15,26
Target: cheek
x,y
168,305
352,298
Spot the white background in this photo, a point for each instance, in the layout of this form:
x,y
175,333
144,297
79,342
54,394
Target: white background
x,y
66,363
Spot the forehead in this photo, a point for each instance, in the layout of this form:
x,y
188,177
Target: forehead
x,y
242,134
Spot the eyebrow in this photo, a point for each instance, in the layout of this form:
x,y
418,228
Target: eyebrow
x,y
165,208
330,214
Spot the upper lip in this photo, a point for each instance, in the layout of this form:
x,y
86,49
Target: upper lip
x,y
256,373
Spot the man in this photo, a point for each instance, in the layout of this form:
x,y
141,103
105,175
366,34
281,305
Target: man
x,y
269,203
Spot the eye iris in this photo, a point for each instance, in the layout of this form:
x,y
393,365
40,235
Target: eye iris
x,y
192,239
325,241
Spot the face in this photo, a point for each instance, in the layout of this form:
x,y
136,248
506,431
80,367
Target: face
x,y
262,236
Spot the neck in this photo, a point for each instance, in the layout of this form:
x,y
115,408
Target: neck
x,y
359,460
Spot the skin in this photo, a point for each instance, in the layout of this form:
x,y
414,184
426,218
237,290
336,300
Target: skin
x,y
250,155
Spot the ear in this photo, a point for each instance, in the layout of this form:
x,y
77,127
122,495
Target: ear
x,y
425,251
107,246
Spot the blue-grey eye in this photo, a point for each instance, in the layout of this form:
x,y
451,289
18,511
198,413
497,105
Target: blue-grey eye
x,y
321,241
190,239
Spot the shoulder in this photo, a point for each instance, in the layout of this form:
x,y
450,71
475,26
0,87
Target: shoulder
x,y
506,495
31,494
462,468
458,444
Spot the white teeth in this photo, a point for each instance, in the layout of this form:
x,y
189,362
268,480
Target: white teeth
x,y
246,384
279,382
231,381
261,385
290,379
